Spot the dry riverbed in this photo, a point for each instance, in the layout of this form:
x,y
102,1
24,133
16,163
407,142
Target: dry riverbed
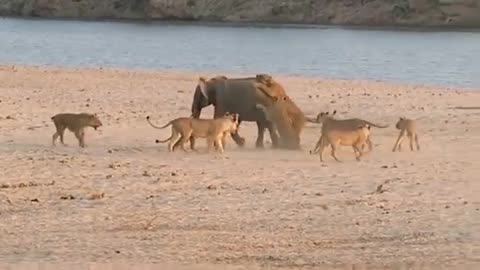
x,y
124,199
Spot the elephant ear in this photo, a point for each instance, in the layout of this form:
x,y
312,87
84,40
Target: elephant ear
x,y
202,84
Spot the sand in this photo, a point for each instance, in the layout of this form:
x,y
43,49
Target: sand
x,y
125,199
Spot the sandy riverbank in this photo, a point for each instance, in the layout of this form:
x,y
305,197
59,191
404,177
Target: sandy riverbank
x,y
280,209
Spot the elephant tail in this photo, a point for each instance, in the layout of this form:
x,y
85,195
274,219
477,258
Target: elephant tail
x,y
154,126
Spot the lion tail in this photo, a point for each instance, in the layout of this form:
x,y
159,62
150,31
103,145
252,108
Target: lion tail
x,y
159,141
154,126
375,125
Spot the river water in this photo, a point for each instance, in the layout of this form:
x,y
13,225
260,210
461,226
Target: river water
x,y
445,58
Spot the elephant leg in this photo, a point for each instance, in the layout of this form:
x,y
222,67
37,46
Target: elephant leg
x,y
236,137
273,134
261,131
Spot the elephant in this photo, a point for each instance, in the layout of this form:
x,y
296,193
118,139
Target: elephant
x,y
236,95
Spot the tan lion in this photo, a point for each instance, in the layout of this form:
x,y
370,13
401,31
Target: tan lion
x,y
407,127
340,132
345,124
355,138
214,130
280,109
76,123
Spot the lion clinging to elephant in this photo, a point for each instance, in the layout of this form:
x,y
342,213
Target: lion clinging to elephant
x,y
250,98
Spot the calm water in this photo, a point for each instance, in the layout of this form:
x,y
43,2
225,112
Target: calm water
x,y
434,58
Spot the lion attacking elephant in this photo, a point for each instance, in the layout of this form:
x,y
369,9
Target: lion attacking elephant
x,y
287,118
237,95
241,95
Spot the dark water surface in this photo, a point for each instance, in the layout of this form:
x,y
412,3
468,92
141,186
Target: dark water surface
x,y
447,58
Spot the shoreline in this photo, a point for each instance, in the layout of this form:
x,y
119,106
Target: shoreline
x,y
260,24
211,73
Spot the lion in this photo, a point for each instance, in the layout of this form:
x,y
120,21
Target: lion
x,y
267,80
214,130
235,95
280,109
345,124
407,127
289,126
355,136
76,123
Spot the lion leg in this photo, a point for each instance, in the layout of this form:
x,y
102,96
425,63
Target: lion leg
x,y
183,143
179,143
317,146
334,150
82,137
176,136
321,149
176,145
224,139
358,151
320,153
61,133
416,142
273,134
369,143
398,143
410,141
211,144
78,135
215,143
219,145
192,143
54,138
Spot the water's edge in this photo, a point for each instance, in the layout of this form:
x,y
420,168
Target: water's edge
x,y
258,24
413,55
195,74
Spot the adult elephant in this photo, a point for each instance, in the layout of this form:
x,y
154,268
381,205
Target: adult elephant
x,y
237,95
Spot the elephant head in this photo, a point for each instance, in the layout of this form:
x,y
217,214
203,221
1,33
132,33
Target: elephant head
x,y
205,94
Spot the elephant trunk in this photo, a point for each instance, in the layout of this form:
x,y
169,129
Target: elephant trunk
x,y
196,112
199,101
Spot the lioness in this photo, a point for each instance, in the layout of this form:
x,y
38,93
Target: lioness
x,y
345,124
408,126
76,123
214,130
355,137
